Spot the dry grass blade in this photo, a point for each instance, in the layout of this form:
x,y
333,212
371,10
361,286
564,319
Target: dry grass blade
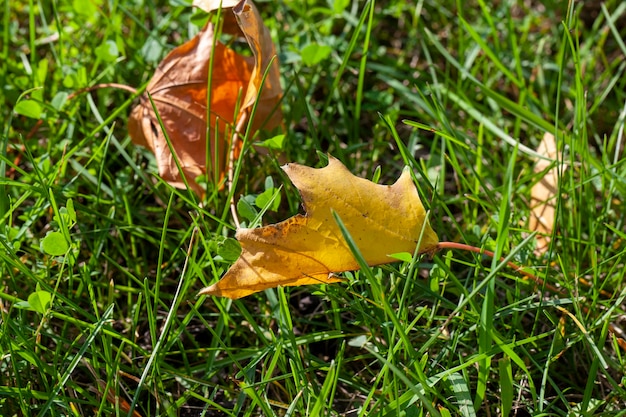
x,y
543,194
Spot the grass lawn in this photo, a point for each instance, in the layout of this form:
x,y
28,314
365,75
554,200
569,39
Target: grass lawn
x,y
461,92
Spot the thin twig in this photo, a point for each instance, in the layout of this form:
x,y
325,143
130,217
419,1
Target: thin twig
x,y
231,165
100,86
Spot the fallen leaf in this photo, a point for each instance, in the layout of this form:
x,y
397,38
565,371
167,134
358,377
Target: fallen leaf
x,y
180,95
250,25
308,249
267,92
543,194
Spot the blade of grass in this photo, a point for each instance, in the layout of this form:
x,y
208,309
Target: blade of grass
x,y
75,360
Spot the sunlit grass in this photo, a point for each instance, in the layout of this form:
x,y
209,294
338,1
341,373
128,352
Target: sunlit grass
x,y
460,93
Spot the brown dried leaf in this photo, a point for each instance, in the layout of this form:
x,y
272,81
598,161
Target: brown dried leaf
x,y
179,92
268,92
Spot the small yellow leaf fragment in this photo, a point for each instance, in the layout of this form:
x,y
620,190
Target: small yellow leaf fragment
x,y
543,194
309,249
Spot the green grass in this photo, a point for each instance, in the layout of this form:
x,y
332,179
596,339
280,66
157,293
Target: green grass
x,y
462,93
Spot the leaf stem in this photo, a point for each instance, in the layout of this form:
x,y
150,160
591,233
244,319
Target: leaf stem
x,y
617,332
513,265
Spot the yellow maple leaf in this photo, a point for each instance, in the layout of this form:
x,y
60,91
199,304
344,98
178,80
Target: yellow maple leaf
x,y
307,249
